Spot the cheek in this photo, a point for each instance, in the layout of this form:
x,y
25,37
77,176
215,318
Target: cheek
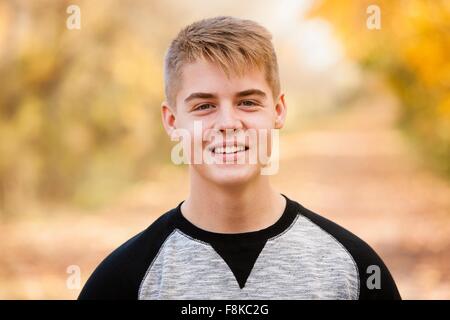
x,y
259,120
265,142
264,126
192,138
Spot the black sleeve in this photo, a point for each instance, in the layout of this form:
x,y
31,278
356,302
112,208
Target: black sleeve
x,y
364,257
120,274
114,278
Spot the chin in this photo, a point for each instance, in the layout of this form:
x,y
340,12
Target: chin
x,y
229,174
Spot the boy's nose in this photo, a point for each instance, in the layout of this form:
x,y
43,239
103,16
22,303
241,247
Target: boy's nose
x,y
227,119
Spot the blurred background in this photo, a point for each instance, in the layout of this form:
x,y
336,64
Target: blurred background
x,y
85,163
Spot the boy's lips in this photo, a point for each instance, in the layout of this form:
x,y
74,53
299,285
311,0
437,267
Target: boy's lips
x,y
228,152
227,148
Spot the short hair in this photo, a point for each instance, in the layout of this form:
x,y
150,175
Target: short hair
x,y
234,44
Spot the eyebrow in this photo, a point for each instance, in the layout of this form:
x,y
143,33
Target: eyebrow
x,y
251,92
205,95
200,95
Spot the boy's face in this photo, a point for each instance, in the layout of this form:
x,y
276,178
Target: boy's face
x,y
227,107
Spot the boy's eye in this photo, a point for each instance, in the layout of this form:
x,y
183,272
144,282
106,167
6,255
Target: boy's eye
x,y
204,106
248,103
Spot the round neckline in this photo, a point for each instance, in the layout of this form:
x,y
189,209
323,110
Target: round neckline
x,y
278,227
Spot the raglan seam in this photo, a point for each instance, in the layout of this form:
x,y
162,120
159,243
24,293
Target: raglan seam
x,y
211,247
346,250
153,261
193,239
286,230
269,239
214,249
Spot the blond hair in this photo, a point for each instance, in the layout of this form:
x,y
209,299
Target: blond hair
x,y
235,45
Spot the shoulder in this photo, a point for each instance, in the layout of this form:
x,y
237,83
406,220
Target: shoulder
x,y
119,275
375,280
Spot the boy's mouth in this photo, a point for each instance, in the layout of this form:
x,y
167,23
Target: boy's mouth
x,y
229,149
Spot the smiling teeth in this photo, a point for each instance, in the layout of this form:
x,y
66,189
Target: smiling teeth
x,y
231,149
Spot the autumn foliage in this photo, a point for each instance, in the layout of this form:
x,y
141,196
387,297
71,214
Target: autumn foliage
x,y
411,49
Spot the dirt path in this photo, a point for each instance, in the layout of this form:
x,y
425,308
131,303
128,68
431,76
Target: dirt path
x,y
353,167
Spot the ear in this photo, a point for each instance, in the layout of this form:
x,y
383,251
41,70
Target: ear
x,y
168,118
280,111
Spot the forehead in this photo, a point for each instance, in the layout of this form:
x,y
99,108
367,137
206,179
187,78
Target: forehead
x,y
204,76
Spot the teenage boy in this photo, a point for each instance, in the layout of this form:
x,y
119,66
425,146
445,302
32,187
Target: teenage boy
x,y
234,236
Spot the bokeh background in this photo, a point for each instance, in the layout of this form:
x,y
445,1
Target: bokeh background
x,y
85,163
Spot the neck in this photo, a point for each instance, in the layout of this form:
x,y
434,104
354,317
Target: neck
x,y
232,209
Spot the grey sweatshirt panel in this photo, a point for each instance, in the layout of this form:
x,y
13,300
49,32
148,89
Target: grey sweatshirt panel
x,y
303,262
